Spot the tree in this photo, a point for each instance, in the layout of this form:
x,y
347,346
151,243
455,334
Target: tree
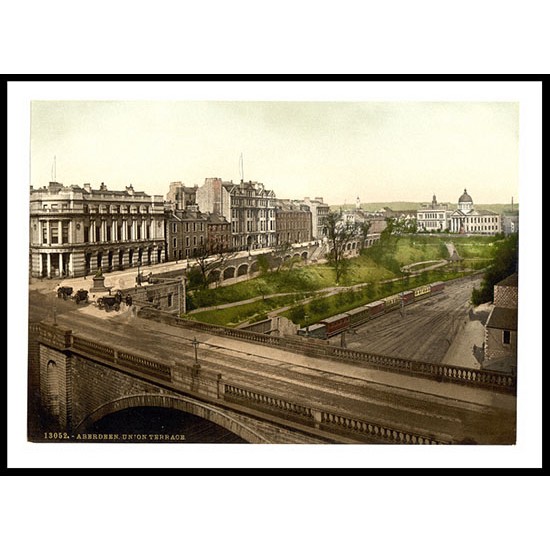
x,y
364,229
207,265
339,233
504,264
278,256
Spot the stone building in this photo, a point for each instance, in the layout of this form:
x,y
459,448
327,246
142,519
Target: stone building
x,y
467,219
510,222
186,233
501,328
76,230
218,234
180,196
319,212
292,222
432,216
248,206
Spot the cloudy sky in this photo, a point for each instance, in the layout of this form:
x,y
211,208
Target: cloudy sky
x,y
379,151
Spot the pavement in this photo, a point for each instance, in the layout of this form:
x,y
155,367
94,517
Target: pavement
x,y
468,341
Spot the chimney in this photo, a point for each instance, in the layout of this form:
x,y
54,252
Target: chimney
x,y
87,188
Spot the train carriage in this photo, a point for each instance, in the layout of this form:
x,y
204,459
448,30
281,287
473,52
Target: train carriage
x,y
407,297
359,315
336,324
422,292
318,330
392,302
376,308
437,287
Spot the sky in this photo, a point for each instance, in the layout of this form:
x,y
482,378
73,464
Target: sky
x,y
338,150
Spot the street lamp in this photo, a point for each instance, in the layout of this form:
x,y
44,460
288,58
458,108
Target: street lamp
x,y
195,343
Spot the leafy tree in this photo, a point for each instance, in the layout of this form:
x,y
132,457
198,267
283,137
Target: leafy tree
x,y
207,265
264,264
504,264
340,233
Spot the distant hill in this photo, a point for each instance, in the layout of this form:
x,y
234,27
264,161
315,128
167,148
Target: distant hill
x,y
373,206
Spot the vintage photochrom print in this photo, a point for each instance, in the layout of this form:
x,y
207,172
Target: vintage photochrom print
x,y
273,272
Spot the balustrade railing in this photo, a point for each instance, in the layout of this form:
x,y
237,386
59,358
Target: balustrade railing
x,y
323,420
505,383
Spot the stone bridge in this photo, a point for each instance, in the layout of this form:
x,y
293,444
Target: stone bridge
x,y
81,379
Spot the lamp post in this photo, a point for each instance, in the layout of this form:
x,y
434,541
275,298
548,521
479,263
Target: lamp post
x,y
184,305
195,343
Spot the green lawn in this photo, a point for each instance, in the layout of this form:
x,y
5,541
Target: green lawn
x,y
233,316
321,308
374,265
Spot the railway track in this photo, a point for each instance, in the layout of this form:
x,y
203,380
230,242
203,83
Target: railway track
x,y
422,331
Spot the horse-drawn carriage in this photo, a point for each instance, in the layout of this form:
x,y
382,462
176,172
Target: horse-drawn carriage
x,y
64,292
109,303
81,295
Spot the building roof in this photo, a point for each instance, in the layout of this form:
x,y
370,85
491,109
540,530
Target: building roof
x,y
511,280
503,318
216,218
482,212
465,197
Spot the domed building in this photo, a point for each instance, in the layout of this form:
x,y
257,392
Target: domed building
x,y
467,219
465,202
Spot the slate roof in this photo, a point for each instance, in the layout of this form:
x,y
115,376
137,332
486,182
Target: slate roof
x,y
503,318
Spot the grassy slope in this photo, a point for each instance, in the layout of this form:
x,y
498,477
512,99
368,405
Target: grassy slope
x,y
302,280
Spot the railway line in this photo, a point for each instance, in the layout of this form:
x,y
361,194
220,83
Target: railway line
x,y
422,331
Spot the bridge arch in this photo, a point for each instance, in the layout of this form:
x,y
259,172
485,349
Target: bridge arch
x,y
214,276
242,269
180,403
254,267
229,272
304,255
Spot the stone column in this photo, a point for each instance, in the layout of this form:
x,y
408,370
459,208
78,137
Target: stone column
x,y
92,231
49,260
61,264
48,238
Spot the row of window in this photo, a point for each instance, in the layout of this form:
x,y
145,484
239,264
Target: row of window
x,y
116,209
189,226
188,241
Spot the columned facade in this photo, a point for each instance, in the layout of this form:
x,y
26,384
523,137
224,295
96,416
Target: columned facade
x,y
77,230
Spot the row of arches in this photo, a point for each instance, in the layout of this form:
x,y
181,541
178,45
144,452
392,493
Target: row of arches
x,y
245,268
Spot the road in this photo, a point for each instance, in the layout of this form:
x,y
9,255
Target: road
x,y
423,331
396,400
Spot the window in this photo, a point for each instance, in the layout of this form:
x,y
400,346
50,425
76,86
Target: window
x,y
44,234
54,234
506,337
64,232
169,300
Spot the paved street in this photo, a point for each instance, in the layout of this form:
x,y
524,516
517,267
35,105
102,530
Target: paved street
x,y
395,399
